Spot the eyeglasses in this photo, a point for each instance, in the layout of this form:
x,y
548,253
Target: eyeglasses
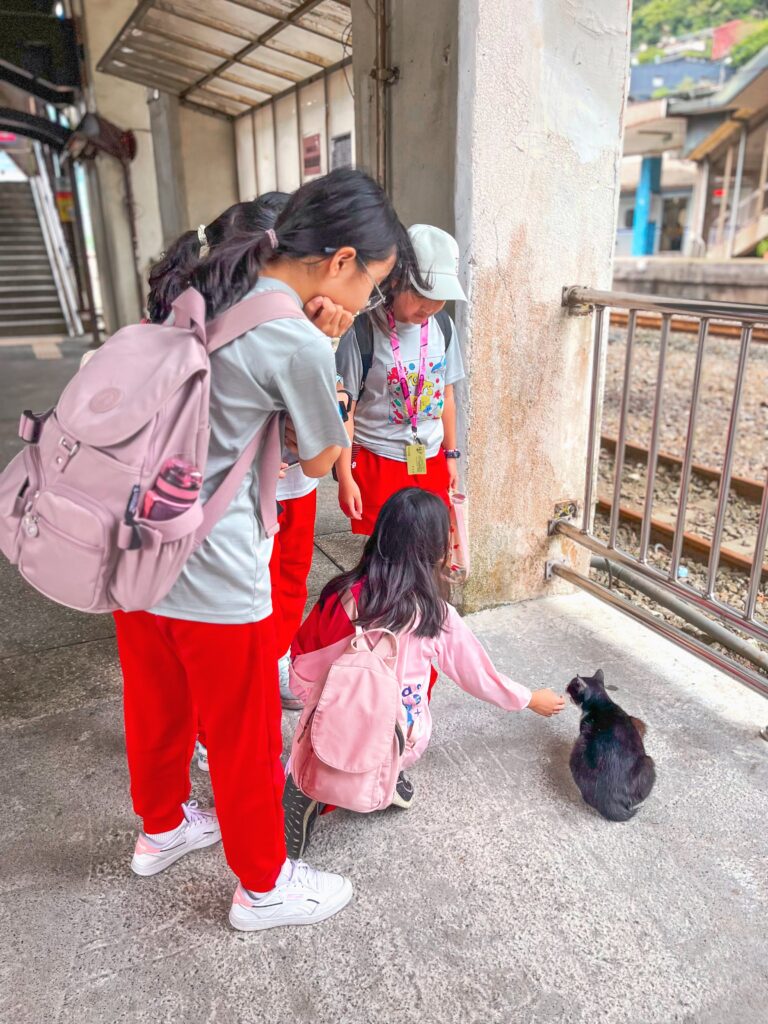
x,y
377,297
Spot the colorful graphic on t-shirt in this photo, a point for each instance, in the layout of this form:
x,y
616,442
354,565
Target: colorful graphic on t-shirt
x,y
432,398
411,699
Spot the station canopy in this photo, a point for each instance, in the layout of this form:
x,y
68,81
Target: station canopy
x,y
229,56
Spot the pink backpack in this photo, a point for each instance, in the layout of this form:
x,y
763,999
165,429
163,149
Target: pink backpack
x,y
349,743
70,501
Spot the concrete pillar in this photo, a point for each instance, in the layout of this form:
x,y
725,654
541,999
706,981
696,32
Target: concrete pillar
x,y
541,92
169,164
209,159
643,225
722,213
421,105
734,218
125,104
697,243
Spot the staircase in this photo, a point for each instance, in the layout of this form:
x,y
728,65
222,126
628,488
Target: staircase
x,y
29,301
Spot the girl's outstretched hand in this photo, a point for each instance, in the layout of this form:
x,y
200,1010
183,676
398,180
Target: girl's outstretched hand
x,y
328,316
546,702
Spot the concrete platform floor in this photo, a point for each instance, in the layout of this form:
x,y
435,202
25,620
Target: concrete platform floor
x,y
499,897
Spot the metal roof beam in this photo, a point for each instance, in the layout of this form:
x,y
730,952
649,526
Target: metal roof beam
x,y
261,40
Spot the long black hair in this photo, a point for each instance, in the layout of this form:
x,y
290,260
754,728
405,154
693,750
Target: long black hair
x,y
345,207
170,275
403,567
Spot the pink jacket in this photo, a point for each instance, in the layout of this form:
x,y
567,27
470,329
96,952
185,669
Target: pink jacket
x,y
456,651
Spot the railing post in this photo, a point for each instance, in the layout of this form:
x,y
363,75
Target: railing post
x,y
621,439
685,473
593,436
730,447
653,448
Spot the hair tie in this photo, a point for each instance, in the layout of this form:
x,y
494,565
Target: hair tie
x,y
272,236
203,240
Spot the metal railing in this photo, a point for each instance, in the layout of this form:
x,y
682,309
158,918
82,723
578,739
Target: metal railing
x,y
751,207
726,617
55,244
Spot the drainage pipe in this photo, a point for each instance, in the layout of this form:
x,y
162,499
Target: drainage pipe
x,y
714,630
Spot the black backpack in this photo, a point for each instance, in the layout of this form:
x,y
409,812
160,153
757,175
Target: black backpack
x,y
363,328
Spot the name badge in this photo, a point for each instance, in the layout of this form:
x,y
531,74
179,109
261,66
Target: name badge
x,y
416,458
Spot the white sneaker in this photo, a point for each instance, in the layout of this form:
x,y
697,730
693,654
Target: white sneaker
x,y
289,701
301,895
202,757
198,830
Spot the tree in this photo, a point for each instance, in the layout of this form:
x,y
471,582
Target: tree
x,y
747,48
652,19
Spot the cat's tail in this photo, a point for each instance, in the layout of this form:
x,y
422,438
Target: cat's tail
x,y
644,779
640,725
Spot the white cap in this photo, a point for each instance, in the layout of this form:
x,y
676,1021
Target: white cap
x,y
437,257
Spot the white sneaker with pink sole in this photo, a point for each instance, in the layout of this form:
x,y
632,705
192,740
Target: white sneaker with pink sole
x,y
198,830
302,895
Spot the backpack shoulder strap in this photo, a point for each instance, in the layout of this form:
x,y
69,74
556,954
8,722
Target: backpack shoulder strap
x,y
268,440
445,324
249,314
349,604
232,323
363,329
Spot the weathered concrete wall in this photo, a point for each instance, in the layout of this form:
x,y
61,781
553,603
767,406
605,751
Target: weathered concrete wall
x,y
210,165
742,280
124,104
541,93
421,126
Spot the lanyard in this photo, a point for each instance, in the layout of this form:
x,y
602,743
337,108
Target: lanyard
x,y
411,406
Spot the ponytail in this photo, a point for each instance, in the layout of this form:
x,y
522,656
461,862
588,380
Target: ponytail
x,y
170,275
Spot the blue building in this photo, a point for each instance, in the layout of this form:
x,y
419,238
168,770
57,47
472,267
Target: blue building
x,y
670,72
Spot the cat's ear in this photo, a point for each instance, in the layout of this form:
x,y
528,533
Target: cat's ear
x,y
599,676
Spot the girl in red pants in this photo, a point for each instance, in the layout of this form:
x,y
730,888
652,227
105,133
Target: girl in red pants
x,y
209,648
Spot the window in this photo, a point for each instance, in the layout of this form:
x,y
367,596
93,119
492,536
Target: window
x,y
629,217
311,154
341,151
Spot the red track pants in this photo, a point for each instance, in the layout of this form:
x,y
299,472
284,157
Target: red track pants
x,y
173,671
379,478
290,565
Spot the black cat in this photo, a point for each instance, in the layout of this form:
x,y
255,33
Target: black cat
x,y
609,763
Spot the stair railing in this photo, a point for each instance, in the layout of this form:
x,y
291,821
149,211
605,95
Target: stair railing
x,y
55,244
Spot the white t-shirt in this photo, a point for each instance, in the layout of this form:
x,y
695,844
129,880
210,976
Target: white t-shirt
x,y
283,366
382,424
295,484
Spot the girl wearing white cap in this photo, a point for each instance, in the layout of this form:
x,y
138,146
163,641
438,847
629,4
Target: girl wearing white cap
x,y
399,366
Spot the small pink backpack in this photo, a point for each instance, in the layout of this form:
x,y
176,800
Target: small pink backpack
x,y
70,501
348,745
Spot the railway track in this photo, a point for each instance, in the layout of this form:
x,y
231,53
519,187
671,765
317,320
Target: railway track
x,y
695,545
687,325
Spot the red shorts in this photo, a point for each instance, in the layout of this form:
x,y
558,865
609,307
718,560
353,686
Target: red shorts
x,y
379,478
